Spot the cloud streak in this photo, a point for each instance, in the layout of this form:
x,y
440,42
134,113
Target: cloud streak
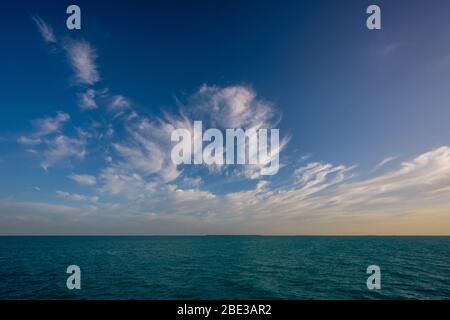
x,y
83,179
45,30
62,148
319,198
49,125
384,162
82,57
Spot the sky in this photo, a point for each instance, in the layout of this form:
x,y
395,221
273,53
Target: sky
x,y
86,117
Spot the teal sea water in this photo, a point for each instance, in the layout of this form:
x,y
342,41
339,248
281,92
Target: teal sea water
x,y
204,267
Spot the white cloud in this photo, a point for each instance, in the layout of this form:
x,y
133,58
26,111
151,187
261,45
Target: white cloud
x,y
119,102
319,198
44,127
49,125
146,150
192,182
75,196
317,176
82,58
120,182
416,179
87,100
83,179
91,98
51,144
318,192
45,30
70,196
383,162
147,159
232,107
62,148
262,185
29,141
144,155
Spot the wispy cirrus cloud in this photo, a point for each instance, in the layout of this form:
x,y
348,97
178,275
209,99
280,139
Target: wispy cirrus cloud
x,y
82,57
75,196
49,142
70,196
384,162
191,182
92,98
143,154
316,189
415,180
45,29
237,107
44,127
83,179
123,183
49,125
119,102
62,148
320,198
87,100
323,192
29,141
232,107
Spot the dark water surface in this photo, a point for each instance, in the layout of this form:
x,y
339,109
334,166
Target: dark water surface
x,y
247,267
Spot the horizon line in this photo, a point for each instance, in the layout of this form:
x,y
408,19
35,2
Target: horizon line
x,y
224,235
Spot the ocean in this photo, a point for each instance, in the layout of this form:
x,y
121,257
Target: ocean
x,y
224,267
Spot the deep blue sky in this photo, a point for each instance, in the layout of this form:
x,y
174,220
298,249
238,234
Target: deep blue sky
x,y
347,95
316,60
